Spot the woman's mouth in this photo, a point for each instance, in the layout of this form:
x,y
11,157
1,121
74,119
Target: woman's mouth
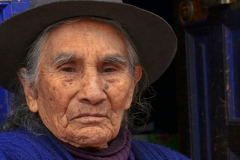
x,y
90,118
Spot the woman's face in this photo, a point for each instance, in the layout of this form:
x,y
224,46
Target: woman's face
x,y
84,83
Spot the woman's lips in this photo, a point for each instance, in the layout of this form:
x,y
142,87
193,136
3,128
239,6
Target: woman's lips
x,y
90,115
90,118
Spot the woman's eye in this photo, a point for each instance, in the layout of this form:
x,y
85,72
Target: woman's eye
x,y
109,69
68,69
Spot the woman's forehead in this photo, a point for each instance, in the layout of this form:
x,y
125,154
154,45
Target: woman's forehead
x,y
85,25
86,38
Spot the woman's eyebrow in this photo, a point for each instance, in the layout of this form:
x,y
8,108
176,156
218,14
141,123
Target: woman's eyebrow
x,y
117,59
63,58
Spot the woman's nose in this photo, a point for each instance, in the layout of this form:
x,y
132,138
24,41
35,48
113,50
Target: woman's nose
x,y
92,89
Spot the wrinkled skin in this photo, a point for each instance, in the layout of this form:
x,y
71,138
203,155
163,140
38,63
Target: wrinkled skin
x,y
84,84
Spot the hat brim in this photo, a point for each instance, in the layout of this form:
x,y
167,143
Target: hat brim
x,y
154,39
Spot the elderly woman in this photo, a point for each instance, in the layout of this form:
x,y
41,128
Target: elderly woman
x,y
79,81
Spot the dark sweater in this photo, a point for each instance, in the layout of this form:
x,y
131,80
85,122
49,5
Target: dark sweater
x,y
21,144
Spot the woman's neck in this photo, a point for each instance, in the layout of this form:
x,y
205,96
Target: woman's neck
x,y
118,149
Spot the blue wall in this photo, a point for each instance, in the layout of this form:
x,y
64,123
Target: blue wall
x,y
8,9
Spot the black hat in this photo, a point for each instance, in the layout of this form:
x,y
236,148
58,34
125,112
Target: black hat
x,y
154,39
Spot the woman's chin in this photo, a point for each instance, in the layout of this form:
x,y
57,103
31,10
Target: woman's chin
x,y
91,138
91,144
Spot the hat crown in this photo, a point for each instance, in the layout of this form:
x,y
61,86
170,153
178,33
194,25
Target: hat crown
x,y
36,3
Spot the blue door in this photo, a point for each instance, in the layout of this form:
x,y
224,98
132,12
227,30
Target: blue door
x,y
8,9
212,55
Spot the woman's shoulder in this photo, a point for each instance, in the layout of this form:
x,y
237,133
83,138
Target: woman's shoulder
x,y
146,150
20,138
21,144
16,144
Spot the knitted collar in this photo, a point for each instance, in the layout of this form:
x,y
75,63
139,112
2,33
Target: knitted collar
x,y
118,149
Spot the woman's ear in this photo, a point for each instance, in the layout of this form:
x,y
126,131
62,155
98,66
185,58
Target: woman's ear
x,y
29,91
137,74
